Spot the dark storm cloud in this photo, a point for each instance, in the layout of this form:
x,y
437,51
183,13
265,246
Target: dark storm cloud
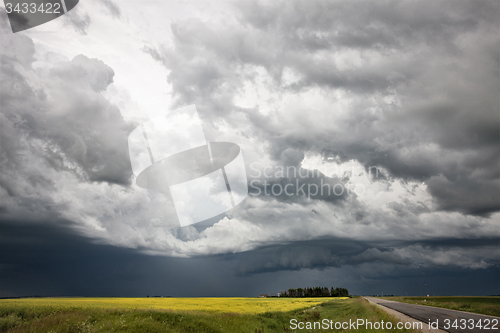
x,y
65,110
470,196
318,254
362,24
336,252
422,79
55,121
92,132
52,261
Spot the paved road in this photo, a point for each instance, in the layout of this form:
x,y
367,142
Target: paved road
x,y
448,320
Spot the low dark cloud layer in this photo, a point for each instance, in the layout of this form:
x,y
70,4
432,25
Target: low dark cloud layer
x,y
321,254
53,261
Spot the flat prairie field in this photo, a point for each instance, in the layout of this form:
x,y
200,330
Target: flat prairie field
x,y
180,315
211,305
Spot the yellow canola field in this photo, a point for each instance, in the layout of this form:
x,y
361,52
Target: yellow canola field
x,y
215,305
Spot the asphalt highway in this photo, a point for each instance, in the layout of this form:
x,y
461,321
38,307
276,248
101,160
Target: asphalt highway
x,y
447,320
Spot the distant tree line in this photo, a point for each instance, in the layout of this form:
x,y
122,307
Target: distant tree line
x,y
315,292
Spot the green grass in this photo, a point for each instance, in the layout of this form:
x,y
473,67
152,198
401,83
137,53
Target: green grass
x,y
42,319
487,305
353,309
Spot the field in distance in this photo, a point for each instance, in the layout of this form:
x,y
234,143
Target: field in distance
x,y
181,314
241,305
487,305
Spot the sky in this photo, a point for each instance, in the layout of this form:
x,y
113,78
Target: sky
x,y
393,106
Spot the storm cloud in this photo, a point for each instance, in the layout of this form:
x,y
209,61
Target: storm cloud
x,y
392,85
394,103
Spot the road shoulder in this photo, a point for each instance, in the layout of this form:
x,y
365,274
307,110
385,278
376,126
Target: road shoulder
x,y
404,318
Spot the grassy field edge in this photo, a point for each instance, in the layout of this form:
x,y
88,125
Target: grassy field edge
x,y
486,305
35,319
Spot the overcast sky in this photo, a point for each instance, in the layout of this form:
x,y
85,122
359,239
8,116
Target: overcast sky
x,y
394,104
